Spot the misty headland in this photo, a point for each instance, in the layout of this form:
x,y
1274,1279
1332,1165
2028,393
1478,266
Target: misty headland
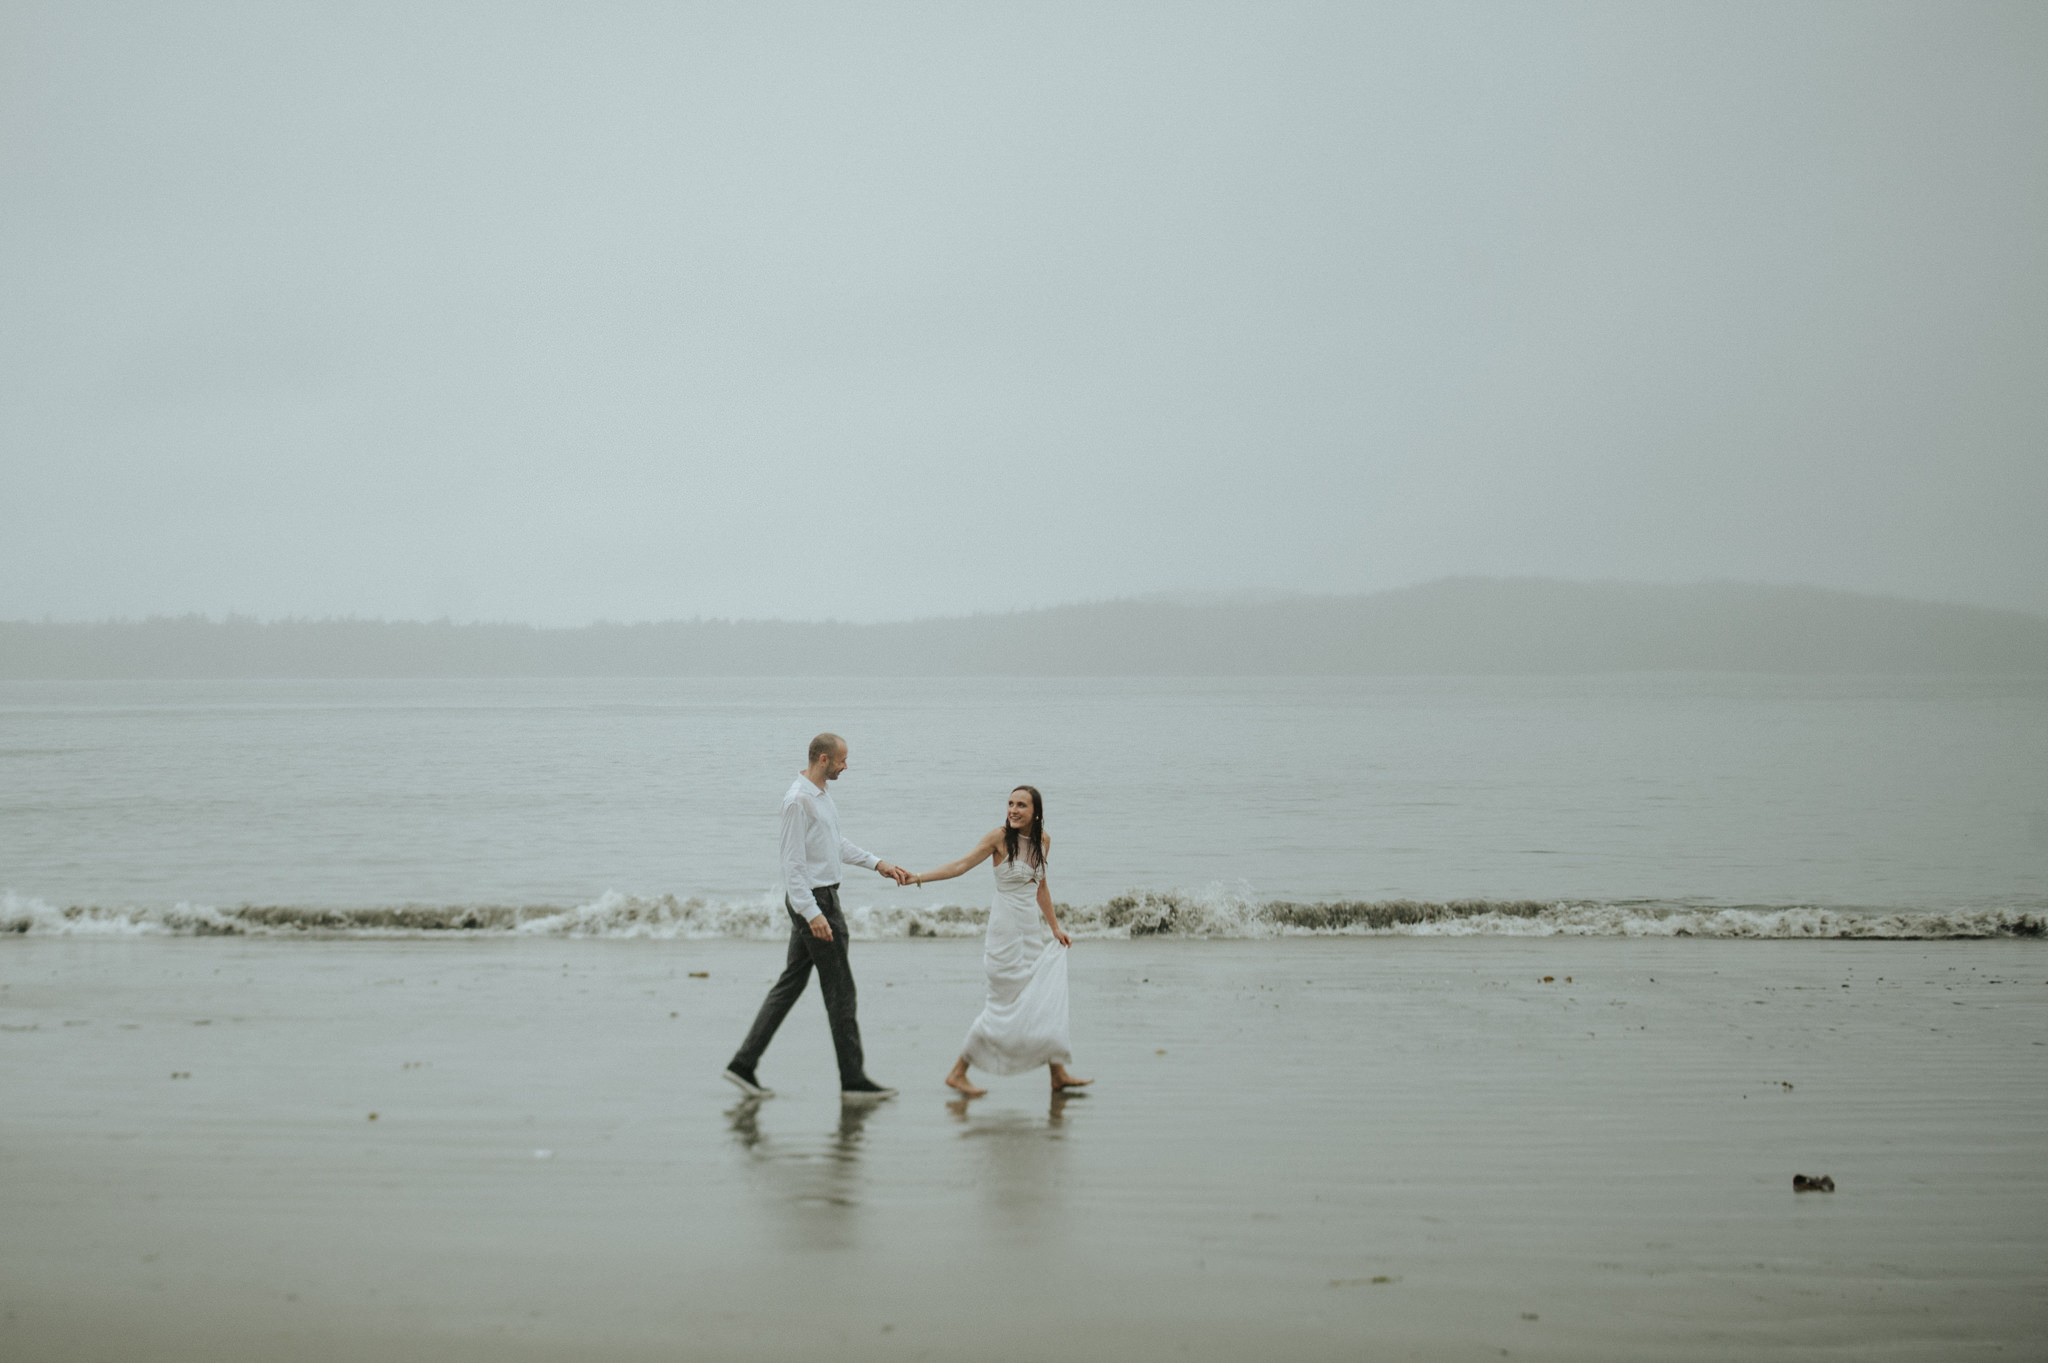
x,y
1454,626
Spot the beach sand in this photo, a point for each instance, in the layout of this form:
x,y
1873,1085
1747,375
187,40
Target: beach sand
x,y
1297,1149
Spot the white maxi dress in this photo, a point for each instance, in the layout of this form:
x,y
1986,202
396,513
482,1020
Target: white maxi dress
x,y
1024,1023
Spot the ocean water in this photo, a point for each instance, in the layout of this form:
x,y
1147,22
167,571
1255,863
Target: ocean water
x,y
1709,805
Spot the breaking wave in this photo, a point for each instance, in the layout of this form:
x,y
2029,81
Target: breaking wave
x,y
1215,913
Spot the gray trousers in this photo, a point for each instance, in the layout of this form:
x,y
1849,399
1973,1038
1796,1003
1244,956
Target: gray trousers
x,y
835,979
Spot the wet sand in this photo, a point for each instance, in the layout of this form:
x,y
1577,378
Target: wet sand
x,y
1299,1149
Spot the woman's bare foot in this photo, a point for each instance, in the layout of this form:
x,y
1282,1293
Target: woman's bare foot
x,y
958,1080
1062,1080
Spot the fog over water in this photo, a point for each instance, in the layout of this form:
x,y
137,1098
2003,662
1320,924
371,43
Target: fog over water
x,y
1451,627
526,313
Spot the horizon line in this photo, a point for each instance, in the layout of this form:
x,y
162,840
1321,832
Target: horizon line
x,y
1184,600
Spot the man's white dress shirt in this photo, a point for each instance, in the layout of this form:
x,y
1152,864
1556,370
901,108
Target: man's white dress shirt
x,y
812,848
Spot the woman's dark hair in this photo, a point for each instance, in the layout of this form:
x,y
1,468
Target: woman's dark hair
x,y
1037,830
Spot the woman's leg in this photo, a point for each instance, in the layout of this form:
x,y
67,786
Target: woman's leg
x,y
958,1079
1063,1080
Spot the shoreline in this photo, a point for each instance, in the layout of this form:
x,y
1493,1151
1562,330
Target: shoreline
x,y
1166,914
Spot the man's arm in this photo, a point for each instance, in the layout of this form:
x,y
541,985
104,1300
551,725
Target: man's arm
x,y
795,882
855,856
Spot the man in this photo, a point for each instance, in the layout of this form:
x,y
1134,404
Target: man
x,y
812,850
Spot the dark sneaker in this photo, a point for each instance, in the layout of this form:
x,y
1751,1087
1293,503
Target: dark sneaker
x,y
743,1077
866,1090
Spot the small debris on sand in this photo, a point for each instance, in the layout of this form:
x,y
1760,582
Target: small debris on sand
x,y
700,974
373,1116
1822,1184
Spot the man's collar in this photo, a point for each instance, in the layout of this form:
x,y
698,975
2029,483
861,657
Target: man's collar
x,y
805,778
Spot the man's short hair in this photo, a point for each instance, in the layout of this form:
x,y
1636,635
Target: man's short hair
x,y
826,743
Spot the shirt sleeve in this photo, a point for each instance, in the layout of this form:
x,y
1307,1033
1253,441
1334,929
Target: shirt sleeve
x,y
796,882
854,856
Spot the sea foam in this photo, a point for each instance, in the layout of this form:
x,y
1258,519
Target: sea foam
x,y
1220,912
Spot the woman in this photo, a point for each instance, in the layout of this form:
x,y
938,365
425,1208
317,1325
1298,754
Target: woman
x,y
1024,1023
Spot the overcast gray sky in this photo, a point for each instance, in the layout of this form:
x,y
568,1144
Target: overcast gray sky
x,y
568,312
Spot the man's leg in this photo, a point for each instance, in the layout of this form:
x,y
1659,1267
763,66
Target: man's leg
x,y
835,979
796,973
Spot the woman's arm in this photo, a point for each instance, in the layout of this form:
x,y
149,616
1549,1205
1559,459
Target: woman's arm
x,y
982,851
1052,919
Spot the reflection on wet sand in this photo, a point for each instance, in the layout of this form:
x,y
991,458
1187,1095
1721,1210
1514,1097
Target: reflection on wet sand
x,y
1055,1117
1022,1158
817,1178
816,1187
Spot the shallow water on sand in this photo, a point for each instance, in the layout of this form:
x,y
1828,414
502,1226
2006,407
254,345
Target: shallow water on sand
x,y
1296,1149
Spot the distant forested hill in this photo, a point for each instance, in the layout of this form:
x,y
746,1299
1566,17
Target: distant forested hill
x,y
1459,625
